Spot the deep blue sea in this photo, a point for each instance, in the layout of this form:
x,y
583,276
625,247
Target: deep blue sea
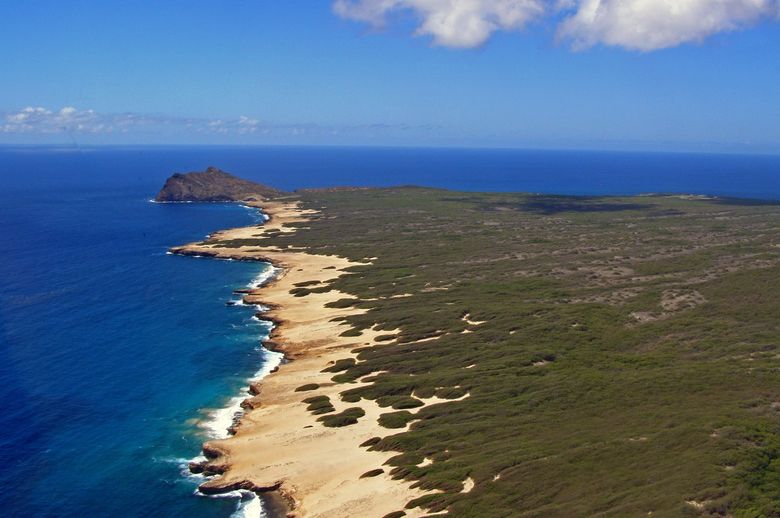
x,y
115,357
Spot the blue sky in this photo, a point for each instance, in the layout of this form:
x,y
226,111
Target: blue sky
x,y
420,72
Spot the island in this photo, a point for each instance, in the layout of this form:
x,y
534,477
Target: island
x,y
509,354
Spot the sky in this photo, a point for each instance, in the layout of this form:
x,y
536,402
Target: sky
x,y
673,75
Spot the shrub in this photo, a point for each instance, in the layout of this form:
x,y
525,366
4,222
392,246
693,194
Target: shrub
x,y
340,365
425,392
450,392
319,405
395,419
407,402
316,399
399,402
341,303
371,442
372,473
345,418
351,396
305,283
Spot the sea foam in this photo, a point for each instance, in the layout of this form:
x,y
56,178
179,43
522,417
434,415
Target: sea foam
x,y
221,420
265,275
250,506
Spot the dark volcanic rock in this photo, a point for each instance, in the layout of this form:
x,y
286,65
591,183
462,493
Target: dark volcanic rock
x,y
196,467
212,185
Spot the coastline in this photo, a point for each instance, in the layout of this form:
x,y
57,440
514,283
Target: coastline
x,y
278,446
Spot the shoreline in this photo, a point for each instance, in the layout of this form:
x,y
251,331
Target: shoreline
x,y
220,421
278,446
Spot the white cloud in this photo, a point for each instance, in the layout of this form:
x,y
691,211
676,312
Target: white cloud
x,y
39,120
74,122
451,23
247,125
643,25
655,24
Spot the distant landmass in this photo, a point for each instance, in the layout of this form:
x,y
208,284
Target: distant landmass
x,y
213,184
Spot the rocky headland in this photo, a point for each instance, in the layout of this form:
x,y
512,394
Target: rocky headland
x,y
212,185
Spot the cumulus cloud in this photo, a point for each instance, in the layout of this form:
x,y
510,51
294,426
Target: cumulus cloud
x,y
655,24
451,23
39,120
643,25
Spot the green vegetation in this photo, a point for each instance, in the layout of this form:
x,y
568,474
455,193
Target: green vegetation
x,y
340,365
306,283
618,356
399,402
371,442
345,418
396,419
302,292
307,387
319,405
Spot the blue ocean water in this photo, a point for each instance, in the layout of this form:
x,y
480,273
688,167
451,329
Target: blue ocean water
x,y
110,348
112,352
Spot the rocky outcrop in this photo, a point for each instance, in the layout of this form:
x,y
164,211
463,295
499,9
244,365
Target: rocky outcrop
x,y
213,184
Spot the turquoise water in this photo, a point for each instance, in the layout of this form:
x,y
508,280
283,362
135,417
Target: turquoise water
x,y
114,355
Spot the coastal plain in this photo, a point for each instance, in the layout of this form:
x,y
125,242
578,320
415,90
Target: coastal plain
x,y
517,354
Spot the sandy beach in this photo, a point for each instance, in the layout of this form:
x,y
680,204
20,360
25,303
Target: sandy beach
x,y
279,445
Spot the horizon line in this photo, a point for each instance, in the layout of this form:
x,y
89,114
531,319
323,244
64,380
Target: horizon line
x,y
77,147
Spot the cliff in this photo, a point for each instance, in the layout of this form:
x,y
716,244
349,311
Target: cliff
x,y
213,184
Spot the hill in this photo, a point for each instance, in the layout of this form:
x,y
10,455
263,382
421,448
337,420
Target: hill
x,y
213,184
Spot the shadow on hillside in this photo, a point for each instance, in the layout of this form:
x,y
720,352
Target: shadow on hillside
x,y
745,202
548,205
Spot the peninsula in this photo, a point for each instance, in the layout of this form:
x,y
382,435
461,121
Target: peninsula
x,y
478,354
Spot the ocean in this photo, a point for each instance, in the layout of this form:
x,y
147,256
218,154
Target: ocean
x,y
118,360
